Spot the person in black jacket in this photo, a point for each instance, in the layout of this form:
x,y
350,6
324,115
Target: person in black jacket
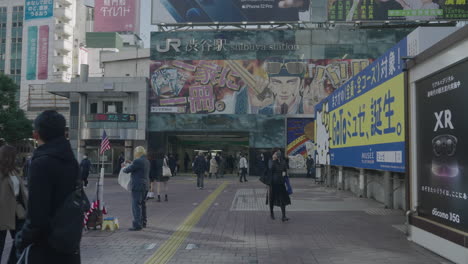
x,y
139,184
277,193
261,165
52,177
85,167
199,167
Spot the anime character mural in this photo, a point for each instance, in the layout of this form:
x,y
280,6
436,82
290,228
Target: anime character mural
x,y
274,86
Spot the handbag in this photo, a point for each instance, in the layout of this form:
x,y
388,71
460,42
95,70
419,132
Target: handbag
x,y
20,211
288,185
166,170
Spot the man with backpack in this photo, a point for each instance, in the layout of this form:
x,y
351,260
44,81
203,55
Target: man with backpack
x,y
53,228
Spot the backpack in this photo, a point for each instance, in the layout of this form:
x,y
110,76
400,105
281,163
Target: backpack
x,y
67,223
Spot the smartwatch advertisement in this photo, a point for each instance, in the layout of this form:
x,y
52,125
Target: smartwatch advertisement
x,y
442,140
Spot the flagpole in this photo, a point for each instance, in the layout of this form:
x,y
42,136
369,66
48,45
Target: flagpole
x,y
101,181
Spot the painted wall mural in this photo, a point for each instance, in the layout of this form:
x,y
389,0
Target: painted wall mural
x,y
270,86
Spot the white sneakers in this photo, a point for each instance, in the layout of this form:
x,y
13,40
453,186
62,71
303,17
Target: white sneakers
x,y
150,195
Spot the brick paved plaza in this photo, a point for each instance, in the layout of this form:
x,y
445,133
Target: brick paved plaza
x,y
230,223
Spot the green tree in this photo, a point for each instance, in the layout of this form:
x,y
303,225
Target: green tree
x,y
14,125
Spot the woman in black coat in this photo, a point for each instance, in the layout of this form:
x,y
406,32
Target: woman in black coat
x,y
277,194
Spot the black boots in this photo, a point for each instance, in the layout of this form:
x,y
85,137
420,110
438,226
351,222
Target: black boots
x,y
159,198
283,211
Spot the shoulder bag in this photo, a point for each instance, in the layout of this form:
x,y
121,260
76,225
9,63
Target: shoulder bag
x,y
166,170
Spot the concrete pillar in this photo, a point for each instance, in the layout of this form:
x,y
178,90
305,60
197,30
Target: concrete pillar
x,y
388,189
341,184
362,183
318,172
329,178
128,149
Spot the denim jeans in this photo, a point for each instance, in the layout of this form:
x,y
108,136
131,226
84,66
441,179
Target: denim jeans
x,y
200,179
139,208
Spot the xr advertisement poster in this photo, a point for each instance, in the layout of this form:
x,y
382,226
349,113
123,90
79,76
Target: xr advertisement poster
x,y
442,140
300,141
362,124
228,11
399,10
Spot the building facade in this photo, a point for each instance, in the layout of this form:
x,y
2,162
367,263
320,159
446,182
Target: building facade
x,y
117,106
11,39
52,35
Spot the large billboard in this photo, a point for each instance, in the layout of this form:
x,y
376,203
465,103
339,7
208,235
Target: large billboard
x,y
269,86
256,72
362,124
36,9
442,148
401,10
115,15
226,11
300,141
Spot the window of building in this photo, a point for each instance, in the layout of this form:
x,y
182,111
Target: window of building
x,y
93,108
113,107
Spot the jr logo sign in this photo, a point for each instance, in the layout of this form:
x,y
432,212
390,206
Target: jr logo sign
x,y
174,43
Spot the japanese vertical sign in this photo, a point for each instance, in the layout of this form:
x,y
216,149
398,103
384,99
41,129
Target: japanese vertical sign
x,y
43,62
442,148
300,141
115,15
36,9
362,124
32,53
382,10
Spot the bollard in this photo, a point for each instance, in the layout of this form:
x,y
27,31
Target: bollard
x,y
388,190
340,178
362,183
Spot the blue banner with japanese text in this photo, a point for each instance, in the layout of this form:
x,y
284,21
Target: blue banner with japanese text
x,y
36,9
362,124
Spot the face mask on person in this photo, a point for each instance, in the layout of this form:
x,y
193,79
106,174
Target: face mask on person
x,y
85,157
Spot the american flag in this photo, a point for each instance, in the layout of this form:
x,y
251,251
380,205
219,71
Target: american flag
x,y
105,144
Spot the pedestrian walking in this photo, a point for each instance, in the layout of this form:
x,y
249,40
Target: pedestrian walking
x,y
230,163
277,193
310,166
222,166
53,177
85,167
213,167
172,164
186,161
243,166
13,200
153,175
207,164
261,165
199,167
161,179
139,185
